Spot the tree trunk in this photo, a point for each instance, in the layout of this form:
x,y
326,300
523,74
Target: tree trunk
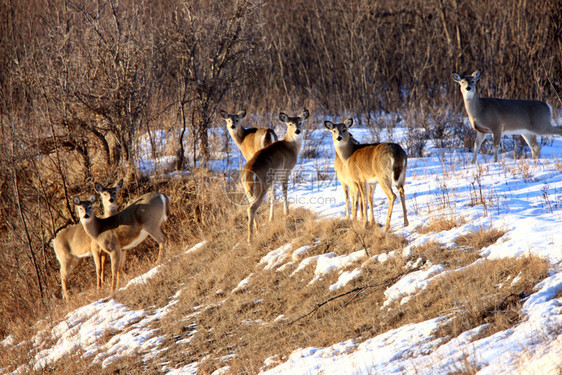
x,y
180,162
203,143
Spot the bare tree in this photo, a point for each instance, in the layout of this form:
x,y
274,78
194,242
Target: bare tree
x,y
210,45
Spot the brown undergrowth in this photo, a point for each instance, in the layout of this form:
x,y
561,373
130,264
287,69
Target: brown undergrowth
x,y
217,323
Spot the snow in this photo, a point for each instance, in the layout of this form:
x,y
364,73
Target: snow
x,y
522,198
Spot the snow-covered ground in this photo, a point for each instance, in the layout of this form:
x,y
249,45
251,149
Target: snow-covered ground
x,y
523,198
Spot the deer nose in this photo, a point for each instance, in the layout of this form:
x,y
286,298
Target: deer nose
x,y
298,131
467,88
233,127
339,138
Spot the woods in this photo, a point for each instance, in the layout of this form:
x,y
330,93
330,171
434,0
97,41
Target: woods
x,y
82,80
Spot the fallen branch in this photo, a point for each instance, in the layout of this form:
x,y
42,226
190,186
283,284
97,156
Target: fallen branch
x,y
358,289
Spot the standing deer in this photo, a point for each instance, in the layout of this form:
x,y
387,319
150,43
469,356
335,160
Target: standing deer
x,y
72,244
125,229
346,183
271,164
384,163
249,140
528,118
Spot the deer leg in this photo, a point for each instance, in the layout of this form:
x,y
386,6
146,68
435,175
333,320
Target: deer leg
x,y
496,138
97,262
370,191
354,192
363,194
115,256
386,187
284,187
531,140
271,200
252,214
64,279
103,258
347,202
477,144
403,201
159,236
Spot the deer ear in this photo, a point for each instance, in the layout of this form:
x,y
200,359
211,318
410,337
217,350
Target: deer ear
x,y
476,75
348,123
119,185
223,114
242,114
305,114
76,200
456,77
98,187
329,125
283,117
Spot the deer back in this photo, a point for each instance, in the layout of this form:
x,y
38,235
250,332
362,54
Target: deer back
x,y
254,140
512,114
374,162
280,155
128,225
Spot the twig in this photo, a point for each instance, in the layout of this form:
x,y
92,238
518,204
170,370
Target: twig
x,y
359,289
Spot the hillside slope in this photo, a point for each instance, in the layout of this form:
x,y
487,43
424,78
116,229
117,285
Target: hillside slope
x,y
472,285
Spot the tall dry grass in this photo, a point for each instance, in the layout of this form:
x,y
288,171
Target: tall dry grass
x,y
279,312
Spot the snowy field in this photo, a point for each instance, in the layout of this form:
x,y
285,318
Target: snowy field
x,y
523,198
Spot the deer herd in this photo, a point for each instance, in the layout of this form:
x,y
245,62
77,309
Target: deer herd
x,y
358,166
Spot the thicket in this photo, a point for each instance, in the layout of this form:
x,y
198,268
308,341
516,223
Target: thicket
x,y
82,80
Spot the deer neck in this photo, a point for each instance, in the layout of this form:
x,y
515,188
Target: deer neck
x,y
471,103
110,210
293,141
91,227
238,134
346,149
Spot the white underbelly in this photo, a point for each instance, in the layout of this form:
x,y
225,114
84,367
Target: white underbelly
x,y
519,132
136,241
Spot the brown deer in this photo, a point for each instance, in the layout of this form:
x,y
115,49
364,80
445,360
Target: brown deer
x,y
346,183
249,140
272,164
498,117
383,163
72,244
124,230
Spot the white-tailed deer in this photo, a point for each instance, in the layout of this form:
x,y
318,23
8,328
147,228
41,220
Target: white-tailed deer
x,y
249,140
498,117
124,230
72,244
272,164
347,184
384,163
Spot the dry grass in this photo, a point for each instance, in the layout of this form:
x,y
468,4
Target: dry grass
x,y
451,257
481,238
248,327
441,223
279,312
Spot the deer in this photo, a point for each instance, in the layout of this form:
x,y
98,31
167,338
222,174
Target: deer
x,y
383,163
124,230
249,140
528,118
272,164
339,168
72,244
